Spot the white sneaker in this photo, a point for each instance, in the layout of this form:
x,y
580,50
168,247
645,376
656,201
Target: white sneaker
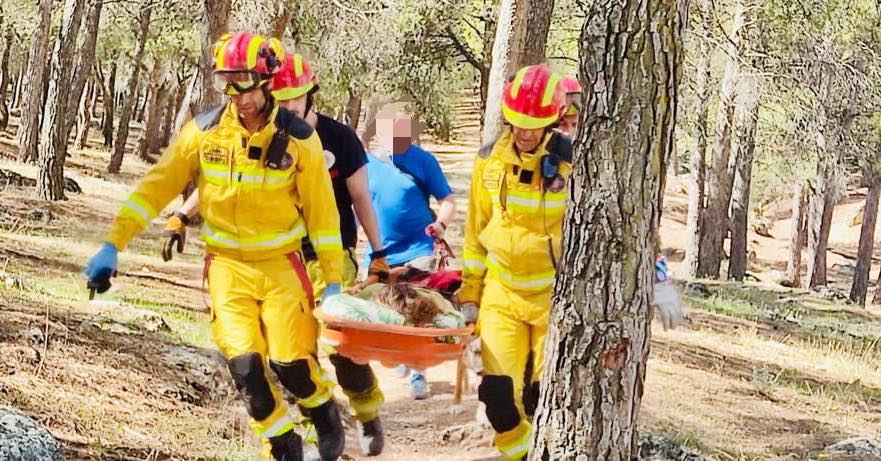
x,y
402,371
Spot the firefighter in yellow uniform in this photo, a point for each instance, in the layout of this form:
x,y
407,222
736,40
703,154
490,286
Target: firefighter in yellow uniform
x,y
261,190
512,243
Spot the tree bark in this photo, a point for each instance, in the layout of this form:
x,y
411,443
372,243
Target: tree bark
x,y
29,123
84,115
819,219
598,341
17,89
876,298
53,132
146,142
4,80
279,23
184,112
714,227
353,111
490,24
108,98
507,53
536,39
85,61
131,98
216,23
745,121
867,240
171,109
797,236
142,102
697,186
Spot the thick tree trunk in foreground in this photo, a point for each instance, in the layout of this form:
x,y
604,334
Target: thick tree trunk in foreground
x,y
744,147
696,189
506,55
215,24
598,341
797,237
29,124
131,94
867,241
714,226
53,132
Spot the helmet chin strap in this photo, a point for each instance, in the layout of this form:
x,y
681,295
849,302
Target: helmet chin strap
x,y
268,100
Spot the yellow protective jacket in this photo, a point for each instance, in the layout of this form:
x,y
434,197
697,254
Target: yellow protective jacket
x,y
251,212
513,227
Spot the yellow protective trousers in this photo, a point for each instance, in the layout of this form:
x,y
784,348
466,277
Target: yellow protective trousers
x,y
513,326
357,381
261,319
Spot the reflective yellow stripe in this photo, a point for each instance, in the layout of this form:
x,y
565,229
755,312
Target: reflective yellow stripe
x,y
473,262
550,90
138,208
532,201
519,450
248,178
539,280
280,427
253,50
286,94
268,241
298,65
518,80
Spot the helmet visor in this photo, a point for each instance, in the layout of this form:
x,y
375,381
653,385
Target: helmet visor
x,y
233,83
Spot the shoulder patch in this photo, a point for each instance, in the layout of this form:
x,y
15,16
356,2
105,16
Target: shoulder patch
x,y
292,124
560,146
209,119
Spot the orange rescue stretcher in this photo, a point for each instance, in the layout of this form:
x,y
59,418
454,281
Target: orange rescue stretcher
x,y
393,345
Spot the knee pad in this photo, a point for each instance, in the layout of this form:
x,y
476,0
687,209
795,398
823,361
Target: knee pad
x,y
351,376
295,376
530,398
249,376
497,392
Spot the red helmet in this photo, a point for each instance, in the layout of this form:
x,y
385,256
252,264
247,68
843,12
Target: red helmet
x,y
245,52
294,79
570,85
534,99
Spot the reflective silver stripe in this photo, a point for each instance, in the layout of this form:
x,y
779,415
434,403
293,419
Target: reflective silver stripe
x,y
327,241
137,208
475,264
278,428
297,232
518,282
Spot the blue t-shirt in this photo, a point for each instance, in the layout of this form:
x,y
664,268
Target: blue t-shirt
x,y
399,193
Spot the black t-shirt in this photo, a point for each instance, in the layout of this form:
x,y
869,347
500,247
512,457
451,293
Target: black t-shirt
x,y
344,155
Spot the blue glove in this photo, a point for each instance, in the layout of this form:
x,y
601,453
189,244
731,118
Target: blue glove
x,y
330,290
101,267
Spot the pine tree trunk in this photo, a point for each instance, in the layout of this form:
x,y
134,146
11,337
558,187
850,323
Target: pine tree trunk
x,y
536,35
506,55
215,24
279,23
146,143
598,341
797,237
714,226
876,298
819,218
490,8
108,97
131,98
370,122
16,89
168,120
4,80
697,186
84,116
744,146
353,111
53,148
867,241
29,123
184,111
85,61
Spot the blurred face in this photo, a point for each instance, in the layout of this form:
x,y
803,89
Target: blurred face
x,y
395,134
296,105
527,140
250,103
567,125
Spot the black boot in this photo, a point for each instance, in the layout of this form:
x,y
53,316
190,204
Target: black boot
x,y
329,427
287,447
371,437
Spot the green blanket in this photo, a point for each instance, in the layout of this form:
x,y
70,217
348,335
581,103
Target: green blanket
x,y
362,308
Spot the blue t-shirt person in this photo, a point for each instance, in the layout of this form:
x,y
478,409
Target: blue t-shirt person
x,y
400,186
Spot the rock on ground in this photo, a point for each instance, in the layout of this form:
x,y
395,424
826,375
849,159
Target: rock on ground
x,y
658,448
854,449
23,439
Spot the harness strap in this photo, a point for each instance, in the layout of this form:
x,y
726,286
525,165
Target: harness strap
x,y
300,269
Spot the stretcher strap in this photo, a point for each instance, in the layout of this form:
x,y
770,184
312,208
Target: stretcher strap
x,y
300,269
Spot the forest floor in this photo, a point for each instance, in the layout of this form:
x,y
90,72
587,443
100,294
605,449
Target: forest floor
x,y
757,372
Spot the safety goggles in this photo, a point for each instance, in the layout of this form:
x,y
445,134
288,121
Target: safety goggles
x,y
232,83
